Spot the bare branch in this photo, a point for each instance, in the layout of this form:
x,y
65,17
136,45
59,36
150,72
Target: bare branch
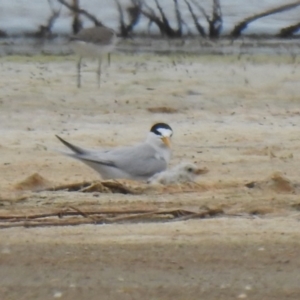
x,y
178,18
134,13
121,18
202,10
77,24
46,30
161,22
199,27
168,29
244,24
289,31
81,11
215,24
153,18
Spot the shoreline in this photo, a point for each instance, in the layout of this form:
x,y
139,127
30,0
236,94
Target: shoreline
x,y
188,45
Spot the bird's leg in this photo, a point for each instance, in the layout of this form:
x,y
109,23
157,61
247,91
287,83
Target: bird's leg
x,y
108,59
99,70
78,72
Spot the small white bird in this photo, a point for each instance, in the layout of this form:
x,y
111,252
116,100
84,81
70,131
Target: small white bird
x,y
138,162
184,172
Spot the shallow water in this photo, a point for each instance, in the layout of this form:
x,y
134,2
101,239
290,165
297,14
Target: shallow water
x,y
22,15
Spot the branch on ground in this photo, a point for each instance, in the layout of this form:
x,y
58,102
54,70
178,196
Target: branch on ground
x,y
73,216
244,24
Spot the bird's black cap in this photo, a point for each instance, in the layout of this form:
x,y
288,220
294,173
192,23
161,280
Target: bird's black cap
x,y
155,128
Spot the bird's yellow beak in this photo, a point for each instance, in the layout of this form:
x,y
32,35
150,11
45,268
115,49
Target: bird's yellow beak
x,y
166,140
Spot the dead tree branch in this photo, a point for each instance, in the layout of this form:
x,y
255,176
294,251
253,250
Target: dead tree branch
x,y
289,31
168,29
244,24
77,24
215,21
206,16
151,15
46,30
178,18
123,30
82,12
134,12
161,22
199,27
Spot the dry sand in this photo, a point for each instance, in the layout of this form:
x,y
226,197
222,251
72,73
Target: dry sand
x,y
237,116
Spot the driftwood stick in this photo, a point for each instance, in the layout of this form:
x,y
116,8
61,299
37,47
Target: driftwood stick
x,y
69,186
130,217
101,216
74,213
46,223
201,215
243,24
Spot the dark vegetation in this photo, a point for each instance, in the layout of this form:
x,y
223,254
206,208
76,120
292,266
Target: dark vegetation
x,y
207,25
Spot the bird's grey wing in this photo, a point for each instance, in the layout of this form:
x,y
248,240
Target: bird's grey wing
x,y
95,35
138,161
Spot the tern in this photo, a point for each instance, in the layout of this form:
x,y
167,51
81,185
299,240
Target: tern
x,y
138,162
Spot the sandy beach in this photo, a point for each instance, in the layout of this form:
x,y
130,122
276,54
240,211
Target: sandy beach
x,y
237,115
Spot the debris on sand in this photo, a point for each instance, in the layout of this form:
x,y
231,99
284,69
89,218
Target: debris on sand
x,y
162,109
72,216
281,183
34,182
276,182
108,186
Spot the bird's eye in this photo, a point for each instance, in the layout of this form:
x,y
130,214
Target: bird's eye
x,y
190,170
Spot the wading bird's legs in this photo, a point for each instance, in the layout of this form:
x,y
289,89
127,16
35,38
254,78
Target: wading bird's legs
x,y
99,71
108,58
78,72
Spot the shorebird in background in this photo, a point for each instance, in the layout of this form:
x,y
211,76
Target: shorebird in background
x,y
93,42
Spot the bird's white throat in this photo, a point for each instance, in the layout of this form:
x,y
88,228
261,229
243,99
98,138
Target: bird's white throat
x,y
165,132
